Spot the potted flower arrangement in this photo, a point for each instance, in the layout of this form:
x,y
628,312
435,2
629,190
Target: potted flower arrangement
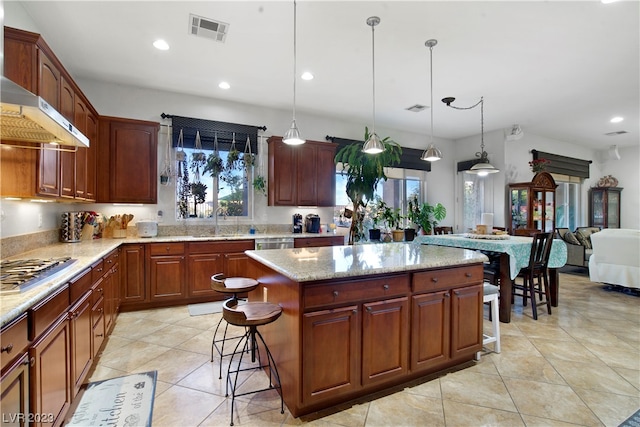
x,y
424,215
539,165
393,218
375,214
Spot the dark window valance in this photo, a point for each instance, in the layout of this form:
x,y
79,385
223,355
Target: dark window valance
x,y
467,164
208,130
563,165
409,159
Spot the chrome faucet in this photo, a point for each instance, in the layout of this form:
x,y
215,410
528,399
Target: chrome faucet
x,y
219,209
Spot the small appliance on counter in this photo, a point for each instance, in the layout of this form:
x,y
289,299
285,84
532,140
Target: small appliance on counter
x,y
312,223
147,228
297,223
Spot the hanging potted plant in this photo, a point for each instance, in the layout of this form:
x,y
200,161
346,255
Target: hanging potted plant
x,y
424,215
260,185
233,157
364,171
214,166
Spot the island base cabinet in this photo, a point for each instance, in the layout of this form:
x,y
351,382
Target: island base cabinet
x,y
331,343
50,375
15,393
431,318
385,329
466,321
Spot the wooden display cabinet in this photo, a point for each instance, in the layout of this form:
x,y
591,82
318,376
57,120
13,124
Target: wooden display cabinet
x,y
604,207
533,204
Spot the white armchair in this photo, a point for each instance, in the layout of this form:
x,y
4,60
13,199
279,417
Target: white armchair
x,y
616,257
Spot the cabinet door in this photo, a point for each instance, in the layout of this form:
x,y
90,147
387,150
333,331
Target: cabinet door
x,y
331,356
15,393
67,158
167,276
80,112
133,273
81,332
326,175
201,268
91,156
306,167
385,340
466,321
282,174
235,264
430,330
129,172
50,373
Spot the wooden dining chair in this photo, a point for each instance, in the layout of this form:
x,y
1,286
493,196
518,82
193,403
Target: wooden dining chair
x,y
443,230
535,277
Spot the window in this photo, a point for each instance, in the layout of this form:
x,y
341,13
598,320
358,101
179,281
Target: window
x,y
567,201
473,200
199,194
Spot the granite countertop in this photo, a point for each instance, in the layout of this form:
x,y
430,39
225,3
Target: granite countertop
x,y
90,251
312,264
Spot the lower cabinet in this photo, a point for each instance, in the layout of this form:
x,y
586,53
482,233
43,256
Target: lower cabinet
x,y
15,392
81,337
132,263
167,268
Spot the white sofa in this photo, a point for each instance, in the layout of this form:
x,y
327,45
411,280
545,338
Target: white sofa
x,y
616,257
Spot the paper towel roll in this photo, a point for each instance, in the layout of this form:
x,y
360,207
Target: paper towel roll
x,y
487,219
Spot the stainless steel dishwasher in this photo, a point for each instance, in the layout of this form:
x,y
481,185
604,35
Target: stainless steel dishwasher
x,y
274,243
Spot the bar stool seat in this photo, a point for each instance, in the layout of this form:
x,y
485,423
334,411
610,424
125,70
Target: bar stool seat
x,y
230,287
251,315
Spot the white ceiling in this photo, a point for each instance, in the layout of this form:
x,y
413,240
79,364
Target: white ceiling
x,y
559,69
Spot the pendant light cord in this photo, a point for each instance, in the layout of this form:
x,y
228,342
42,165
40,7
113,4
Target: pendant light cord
x,y
481,103
431,86
373,67
294,58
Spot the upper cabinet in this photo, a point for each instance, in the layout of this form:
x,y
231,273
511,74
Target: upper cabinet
x,y
533,204
29,62
301,175
128,153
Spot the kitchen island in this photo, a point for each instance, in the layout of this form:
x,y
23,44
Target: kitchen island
x,y
362,318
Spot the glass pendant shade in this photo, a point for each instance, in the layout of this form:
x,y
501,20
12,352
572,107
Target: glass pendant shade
x,y
373,145
431,154
292,136
483,168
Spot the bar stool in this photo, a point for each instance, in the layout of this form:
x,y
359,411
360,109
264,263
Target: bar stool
x,y
229,286
491,294
251,315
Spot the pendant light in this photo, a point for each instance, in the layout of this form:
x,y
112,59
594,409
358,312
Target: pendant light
x,y
431,154
373,145
483,167
292,135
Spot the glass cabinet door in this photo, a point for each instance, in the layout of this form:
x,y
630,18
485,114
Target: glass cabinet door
x,y
613,207
549,212
597,206
519,211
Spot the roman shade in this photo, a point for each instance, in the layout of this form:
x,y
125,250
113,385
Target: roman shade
x,y
563,165
409,159
208,131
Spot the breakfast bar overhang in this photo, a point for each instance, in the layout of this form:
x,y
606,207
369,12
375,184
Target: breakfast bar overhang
x,y
362,318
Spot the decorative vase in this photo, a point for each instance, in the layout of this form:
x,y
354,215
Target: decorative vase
x,y
374,235
398,235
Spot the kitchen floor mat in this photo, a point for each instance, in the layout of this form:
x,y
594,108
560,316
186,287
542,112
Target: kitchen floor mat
x,y
121,401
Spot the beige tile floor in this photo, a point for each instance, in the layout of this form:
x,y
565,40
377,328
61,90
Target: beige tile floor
x,y
579,366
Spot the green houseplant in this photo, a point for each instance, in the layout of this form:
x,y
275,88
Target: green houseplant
x,y
424,215
364,171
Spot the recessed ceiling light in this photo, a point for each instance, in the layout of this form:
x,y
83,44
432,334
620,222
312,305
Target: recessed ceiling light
x,y
224,85
307,76
617,119
161,44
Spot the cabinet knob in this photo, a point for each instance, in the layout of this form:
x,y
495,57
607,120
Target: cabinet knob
x,y
99,269
7,349
100,310
26,362
369,309
434,279
467,274
355,311
99,290
447,295
385,287
168,249
32,361
335,293
109,261
456,292
98,335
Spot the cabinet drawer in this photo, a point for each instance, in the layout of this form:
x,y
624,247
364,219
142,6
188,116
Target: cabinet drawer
x,y
221,246
314,242
97,270
97,311
355,291
14,340
166,249
447,278
111,259
46,312
98,290
80,284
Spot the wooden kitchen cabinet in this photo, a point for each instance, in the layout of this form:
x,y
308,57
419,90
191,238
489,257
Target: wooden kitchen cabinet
x,y
14,386
132,263
167,267
128,152
81,332
314,242
50,375
301,175
430,335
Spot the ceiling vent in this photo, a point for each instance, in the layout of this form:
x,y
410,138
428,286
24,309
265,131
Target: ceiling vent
x,y
618,132
416,108
208,28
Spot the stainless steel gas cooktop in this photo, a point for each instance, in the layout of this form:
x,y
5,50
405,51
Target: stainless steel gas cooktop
x,y
21,275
